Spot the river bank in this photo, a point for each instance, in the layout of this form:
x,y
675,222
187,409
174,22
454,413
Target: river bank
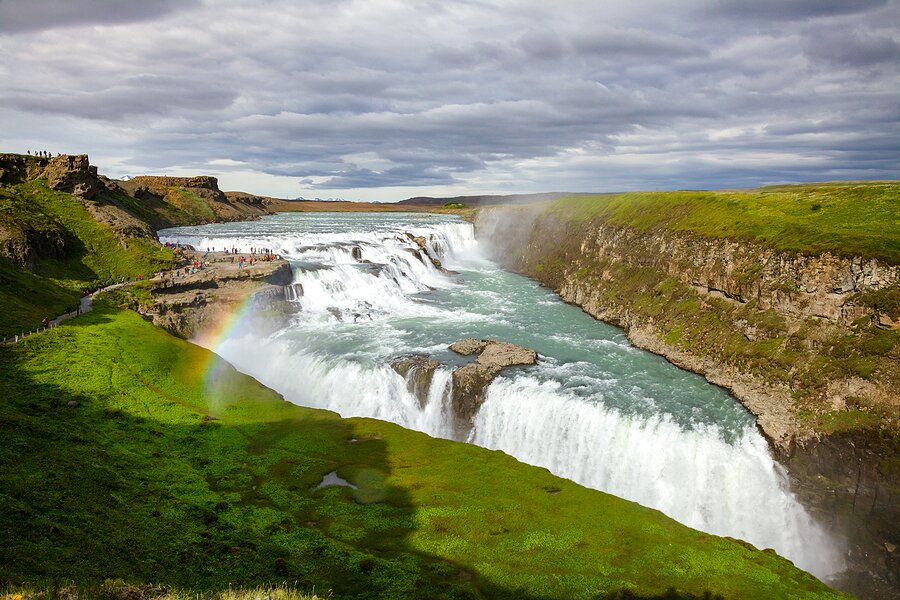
x,y
806,342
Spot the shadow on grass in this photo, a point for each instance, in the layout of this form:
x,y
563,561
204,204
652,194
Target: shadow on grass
x,y
98,486
129,477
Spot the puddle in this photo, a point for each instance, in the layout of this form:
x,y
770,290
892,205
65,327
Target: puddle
x,y
333,479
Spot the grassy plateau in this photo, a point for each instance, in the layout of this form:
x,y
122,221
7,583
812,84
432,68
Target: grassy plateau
x,y
846,219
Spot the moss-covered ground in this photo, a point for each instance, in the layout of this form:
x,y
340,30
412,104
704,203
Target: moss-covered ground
x,y
130,454
846,219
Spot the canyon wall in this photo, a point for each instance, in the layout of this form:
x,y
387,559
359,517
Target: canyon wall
x,y
807,343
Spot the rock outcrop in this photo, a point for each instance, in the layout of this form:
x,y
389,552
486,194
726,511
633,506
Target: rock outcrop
x,y
191,305
16,168
23,243
471,380
418,371
424,254
73,174
199,197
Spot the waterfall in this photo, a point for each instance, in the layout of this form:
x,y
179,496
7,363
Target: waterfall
x,y
729,489
594,410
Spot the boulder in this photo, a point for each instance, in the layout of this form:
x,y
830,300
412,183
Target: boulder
x,y
503,354
418,239
470,381
469,346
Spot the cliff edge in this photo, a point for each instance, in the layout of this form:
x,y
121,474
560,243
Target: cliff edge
x,y
788,297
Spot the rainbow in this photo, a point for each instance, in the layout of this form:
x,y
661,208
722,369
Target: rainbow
x,y
216,371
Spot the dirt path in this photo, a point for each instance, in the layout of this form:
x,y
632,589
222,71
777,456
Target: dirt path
x,y
210,265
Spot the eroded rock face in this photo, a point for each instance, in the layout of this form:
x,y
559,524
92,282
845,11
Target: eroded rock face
x,y
192,305
418,370
469,383
73,174
471,380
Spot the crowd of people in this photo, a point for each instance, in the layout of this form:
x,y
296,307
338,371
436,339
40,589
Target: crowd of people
x,y
194,265
43,153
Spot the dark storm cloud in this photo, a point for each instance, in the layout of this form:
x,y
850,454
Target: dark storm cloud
x,y
575,96
790,9
28,15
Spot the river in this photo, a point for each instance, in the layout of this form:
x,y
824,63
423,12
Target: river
x,y
595,409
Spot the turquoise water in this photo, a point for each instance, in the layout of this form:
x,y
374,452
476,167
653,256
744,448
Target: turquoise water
x,y
595,409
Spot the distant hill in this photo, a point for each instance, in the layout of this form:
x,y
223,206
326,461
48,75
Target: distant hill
x,y
485,200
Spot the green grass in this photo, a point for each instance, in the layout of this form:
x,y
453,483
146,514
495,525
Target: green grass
x,y
26,299
99,253
158,213
189,202
846,219
175,469
116,589
70,251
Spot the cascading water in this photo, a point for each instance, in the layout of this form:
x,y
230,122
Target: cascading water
x,y
371,287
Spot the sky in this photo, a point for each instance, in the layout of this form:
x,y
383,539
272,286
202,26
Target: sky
x,y
381,100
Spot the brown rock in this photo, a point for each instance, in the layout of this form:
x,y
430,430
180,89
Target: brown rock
x,y
418,239
503,354
73,174
418,370
470,381
469,346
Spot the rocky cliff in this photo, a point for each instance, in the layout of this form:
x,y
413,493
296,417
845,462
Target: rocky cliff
x,y
133,209
808,342
195,303
199,197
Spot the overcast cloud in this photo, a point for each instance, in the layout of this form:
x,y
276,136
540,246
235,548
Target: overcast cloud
x,y
389,99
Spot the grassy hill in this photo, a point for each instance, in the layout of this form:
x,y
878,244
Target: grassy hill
x,y
53,247
131,454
